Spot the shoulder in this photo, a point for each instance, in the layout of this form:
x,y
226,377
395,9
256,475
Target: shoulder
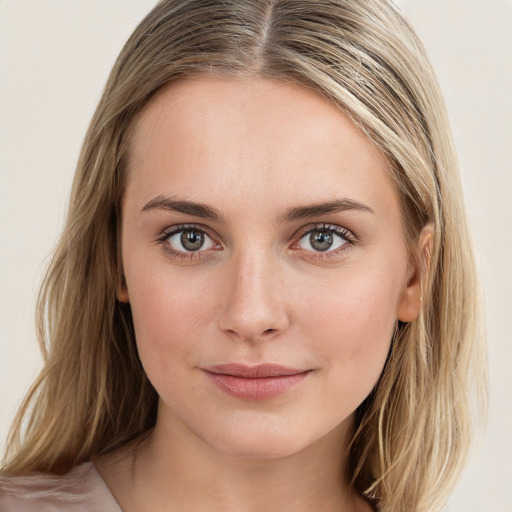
x,y
80,490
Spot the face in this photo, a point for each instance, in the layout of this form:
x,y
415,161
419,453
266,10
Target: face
x,y
265,263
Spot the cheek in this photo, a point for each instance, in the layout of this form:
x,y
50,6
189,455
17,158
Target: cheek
x,y
352,323
353,301
169,316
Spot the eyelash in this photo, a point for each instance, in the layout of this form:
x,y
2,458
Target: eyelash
x,y
348,237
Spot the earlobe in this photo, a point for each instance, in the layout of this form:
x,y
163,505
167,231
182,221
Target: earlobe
x,y
122,292
410,302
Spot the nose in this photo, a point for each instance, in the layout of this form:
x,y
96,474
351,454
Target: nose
x,y
255,301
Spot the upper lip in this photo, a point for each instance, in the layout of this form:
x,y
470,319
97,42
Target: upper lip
x,y
253,372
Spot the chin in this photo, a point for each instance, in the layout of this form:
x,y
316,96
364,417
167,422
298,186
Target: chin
x,y
264,449
269,440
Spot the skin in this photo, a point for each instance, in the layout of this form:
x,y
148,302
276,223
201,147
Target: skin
x,y
256,292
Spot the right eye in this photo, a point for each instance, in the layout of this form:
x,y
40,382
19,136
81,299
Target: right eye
x,y
189,240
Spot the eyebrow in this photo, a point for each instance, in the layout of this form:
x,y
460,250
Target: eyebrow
x,y
205,211
335,206
188,207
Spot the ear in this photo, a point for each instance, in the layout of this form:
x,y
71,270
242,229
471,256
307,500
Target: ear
x,y
409,304
122,291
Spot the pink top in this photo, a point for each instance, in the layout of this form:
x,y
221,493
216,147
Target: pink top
x,y
80,490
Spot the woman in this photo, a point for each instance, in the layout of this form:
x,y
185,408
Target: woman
x,y
264,297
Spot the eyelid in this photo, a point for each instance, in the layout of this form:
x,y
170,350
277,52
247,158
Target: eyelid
x,y
172,230
325,226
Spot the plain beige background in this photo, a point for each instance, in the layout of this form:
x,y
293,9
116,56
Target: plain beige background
x,y
54,59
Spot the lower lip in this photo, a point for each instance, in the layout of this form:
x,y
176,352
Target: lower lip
x,y
262,388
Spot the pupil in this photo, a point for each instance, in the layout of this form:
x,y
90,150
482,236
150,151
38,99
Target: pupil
x,y
321,240
192,240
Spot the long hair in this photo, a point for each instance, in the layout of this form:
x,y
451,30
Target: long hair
x,y
92,395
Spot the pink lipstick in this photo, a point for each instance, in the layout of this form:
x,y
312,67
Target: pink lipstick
x,y
260,382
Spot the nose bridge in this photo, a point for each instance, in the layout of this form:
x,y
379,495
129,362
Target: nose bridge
x,y
254,305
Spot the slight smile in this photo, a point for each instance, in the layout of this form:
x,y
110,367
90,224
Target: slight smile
x,y
260,382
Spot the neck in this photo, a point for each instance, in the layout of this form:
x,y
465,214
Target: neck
x,y
174,469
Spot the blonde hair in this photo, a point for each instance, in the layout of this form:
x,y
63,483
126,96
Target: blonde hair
x,y
92,395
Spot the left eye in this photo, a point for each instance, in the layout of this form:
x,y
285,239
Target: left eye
x,y
190,240
322,240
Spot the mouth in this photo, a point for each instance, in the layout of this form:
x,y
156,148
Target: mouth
x,y
255,383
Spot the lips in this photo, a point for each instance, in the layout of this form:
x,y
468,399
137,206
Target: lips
x,y
260,382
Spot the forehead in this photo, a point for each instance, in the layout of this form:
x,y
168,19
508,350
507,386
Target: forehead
x,y
262,140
